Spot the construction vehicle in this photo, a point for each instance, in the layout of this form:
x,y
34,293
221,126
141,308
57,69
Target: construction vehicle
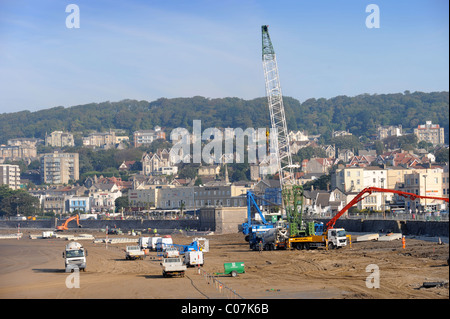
x,y
253,230
154,242
64,225
193,253
193,258
292,232
369,190
144,242
173,267
232,269
163,243
74,257
134,252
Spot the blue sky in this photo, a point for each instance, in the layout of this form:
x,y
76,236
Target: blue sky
x,y
171,48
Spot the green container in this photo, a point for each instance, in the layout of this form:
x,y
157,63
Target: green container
x,y
234,268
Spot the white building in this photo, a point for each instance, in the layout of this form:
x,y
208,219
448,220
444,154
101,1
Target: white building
x,y
10,175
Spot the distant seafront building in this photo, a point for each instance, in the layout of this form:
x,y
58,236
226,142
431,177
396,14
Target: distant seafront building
x,y
59,168
10,175
430,132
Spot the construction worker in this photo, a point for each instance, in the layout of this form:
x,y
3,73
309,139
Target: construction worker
x,y
260,246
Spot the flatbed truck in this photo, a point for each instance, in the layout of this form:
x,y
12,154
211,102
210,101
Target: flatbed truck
x,y
173,267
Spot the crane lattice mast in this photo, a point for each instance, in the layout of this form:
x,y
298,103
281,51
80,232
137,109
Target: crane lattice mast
x,y
276,108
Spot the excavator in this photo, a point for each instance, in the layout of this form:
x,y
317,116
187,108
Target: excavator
x,y
64,225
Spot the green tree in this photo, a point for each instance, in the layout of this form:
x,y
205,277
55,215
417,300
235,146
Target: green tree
x,y
198,181
17,201
122,202
442,155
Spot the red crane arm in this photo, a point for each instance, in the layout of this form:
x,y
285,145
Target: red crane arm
x,y
370,190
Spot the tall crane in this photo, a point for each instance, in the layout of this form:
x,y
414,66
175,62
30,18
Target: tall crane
x,y
292,196
276,108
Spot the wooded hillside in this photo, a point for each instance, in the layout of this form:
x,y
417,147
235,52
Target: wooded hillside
x,y
359,114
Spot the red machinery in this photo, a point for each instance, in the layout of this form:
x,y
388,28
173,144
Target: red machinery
x,y
369,191
64,226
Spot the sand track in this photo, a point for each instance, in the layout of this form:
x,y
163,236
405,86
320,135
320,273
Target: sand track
x,y
34,269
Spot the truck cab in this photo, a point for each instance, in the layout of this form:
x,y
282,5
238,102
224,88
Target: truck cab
x,y
74,257
336,238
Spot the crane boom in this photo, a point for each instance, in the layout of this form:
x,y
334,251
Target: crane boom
x,y
276,108
369,191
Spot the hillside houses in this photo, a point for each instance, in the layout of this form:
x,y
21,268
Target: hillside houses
x,y
159,163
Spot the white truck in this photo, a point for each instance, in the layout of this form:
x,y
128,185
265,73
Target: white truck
x,y
75,257
193,258
173,267
144,242
163,243
154,242
134,252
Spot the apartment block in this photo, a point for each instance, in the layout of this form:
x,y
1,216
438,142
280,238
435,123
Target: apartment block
x,y
430,133
424,182
104,140
59,139
10,175
17,152
59,168
354,179
388,131
146,137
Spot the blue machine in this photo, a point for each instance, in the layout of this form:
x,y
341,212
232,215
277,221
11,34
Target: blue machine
x,y
185,248
252,231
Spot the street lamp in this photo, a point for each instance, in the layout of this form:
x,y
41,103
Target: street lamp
x,y
383,201
425,177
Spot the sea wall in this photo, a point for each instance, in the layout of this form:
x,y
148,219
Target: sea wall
x,y
137,224
406,227
409,227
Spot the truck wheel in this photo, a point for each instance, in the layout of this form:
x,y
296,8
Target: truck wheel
x,y
233,273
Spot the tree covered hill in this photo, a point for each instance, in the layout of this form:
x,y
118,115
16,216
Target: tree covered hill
x,y
359,114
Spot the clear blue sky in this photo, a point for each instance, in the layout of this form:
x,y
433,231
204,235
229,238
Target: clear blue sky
x,y
171,48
